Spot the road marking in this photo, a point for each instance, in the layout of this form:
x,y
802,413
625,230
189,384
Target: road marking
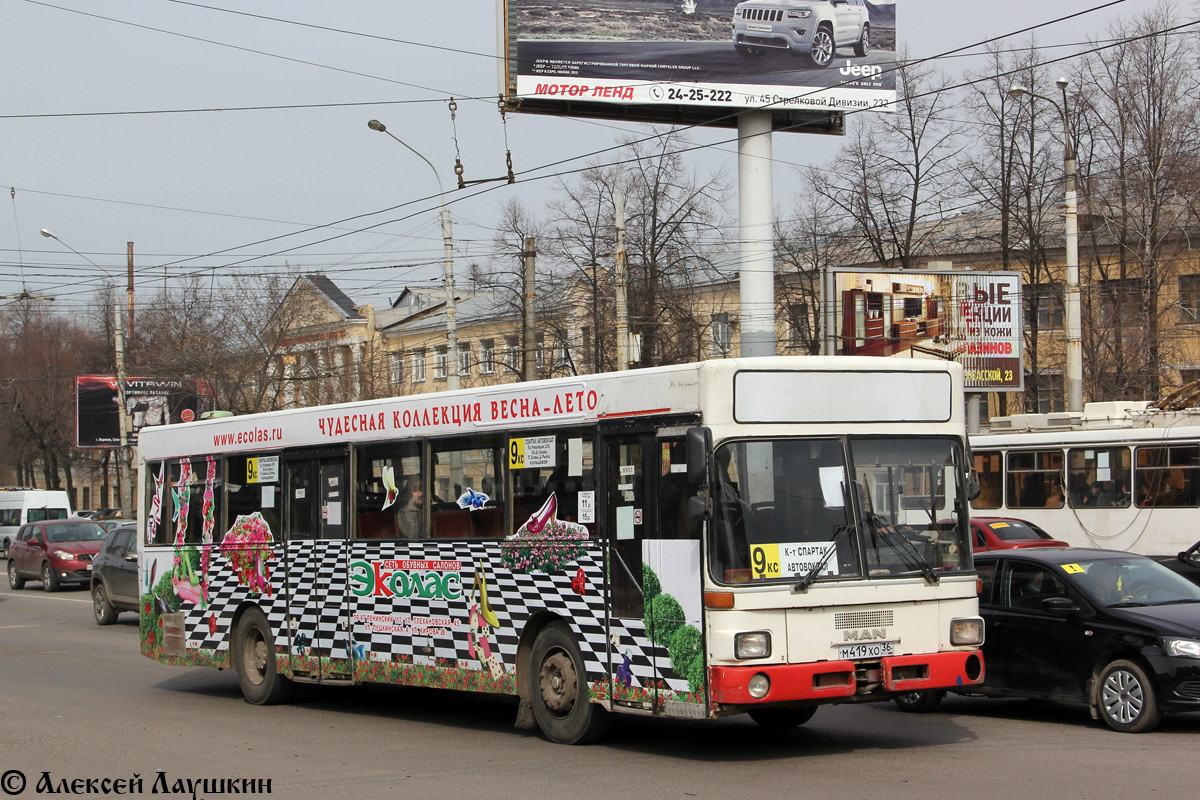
x,y
43,596
10,627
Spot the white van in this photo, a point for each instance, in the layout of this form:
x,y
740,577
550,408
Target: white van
x,y
18,506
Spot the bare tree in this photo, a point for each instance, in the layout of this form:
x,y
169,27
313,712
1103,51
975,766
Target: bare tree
x,y
1139,108
891,176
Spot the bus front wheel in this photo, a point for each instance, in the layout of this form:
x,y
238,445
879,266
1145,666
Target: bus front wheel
x,y
254,659
561,703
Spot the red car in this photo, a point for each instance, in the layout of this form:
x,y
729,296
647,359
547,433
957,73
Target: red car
x,y
1007,533
56,552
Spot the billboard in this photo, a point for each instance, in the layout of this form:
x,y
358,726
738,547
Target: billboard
x,y
794,55
148,401
974,318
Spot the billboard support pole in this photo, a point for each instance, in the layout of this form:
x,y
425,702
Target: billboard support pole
x,y
755,231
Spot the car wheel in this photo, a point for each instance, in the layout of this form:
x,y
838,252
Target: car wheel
x,y
254,660
49,579
779,719
919,702
823,49
101,607
15,581
864,43
561,702
1127,699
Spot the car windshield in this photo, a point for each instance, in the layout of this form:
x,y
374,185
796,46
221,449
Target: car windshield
x,y
1012,530
75,532
785,510
1130,581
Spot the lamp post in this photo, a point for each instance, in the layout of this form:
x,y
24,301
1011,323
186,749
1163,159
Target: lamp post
x,y
122,413
1071,301
452,381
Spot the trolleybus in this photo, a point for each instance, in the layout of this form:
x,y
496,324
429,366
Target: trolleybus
x,y
1119,475
757,536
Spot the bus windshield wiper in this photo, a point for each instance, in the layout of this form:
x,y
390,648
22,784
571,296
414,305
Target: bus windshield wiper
x,y
909,548
811,575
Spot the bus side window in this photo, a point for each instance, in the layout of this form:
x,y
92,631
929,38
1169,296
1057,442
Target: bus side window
x,y
468,499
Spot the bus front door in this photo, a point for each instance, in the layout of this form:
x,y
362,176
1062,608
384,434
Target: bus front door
x,y
654,568
315,526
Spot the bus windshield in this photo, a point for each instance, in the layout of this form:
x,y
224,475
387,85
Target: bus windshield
x,y
785,509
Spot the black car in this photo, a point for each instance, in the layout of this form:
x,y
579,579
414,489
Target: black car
x,y
115,575
1186,563
1117,631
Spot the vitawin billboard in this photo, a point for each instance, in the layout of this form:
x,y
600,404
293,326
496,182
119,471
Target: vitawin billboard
x,y
808,55
974,318
148,401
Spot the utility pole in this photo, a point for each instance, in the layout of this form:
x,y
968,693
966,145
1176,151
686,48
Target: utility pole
x,y
122,413
129,288
622,285
529,340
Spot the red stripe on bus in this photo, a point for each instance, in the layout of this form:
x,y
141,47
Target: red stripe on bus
x,y
636,413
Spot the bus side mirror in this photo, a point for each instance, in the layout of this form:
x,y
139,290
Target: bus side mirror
x,y
699,451
972,485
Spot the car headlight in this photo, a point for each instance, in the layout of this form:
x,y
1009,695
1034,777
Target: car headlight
x,y
799,13
1188,648
755,644
63,555
966,631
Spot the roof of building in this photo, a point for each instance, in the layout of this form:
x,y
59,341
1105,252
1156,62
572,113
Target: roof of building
x,y
336,297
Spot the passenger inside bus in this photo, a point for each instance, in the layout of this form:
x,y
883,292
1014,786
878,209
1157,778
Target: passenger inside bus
x,y
410,516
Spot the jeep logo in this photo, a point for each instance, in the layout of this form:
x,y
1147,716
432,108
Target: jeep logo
x,y
865,634
865,71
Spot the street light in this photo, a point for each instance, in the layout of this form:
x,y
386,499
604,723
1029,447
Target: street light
x,y
122,413
1072,304
452,381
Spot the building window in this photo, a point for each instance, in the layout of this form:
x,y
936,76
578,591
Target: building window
x,y
439,363
1044,393
562,356
798,331
464,358
1044,303
397,371
512,354
1121,301
722,334
1189,298
539,357
418,366
487,357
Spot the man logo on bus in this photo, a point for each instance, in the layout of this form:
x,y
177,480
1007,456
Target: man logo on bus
x,y
430,579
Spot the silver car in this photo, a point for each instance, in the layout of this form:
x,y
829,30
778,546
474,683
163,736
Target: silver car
x,y
816,28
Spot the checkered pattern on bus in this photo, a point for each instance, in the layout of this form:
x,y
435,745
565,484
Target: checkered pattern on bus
x,y
318,601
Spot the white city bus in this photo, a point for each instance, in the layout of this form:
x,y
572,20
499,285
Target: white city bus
x,y
1120,475
752,535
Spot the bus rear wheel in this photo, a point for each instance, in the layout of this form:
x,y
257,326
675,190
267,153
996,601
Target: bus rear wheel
x,y
778,719
254,660
561,702
919,701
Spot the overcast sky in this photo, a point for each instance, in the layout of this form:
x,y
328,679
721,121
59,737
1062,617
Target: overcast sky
x,y
185,187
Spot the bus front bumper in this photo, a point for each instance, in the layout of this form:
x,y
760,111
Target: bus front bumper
x,y
830,680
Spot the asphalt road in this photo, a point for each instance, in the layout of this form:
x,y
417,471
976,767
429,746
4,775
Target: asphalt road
x,y
79,702
694,61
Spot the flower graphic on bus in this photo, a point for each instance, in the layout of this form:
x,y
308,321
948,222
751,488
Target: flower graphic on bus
x,y
389,483
247,545
472,500
544,543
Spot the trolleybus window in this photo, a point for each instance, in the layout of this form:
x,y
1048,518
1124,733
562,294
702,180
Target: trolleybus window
x,y
1098,477
1168,476
1035,479
991,479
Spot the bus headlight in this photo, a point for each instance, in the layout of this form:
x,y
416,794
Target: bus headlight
x,y
758,686
966,631
1188,648
753,644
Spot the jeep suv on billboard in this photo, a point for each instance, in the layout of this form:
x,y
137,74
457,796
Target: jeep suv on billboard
x,y
816,29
